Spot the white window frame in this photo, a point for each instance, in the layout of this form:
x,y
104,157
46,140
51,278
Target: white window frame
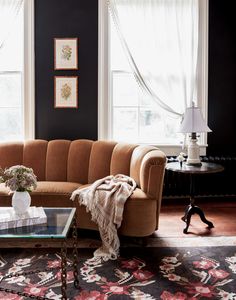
x,y
104,105
29,72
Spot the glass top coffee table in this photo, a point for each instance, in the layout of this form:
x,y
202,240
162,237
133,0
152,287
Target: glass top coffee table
x,y
59,223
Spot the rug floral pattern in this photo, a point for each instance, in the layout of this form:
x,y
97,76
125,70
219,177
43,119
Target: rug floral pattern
x,y
142,274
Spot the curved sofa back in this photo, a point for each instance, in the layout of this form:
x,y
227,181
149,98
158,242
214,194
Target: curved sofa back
x,y
82,161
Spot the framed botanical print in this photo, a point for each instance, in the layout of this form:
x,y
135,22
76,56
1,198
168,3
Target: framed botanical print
x,y
66,53
66,91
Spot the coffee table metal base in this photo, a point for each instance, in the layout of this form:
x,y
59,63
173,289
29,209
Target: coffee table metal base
x,y
63,269
64,263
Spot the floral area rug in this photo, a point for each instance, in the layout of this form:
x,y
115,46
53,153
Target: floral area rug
x,y
139,273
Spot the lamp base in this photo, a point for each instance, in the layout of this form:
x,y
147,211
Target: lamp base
x,y
192,162
193,153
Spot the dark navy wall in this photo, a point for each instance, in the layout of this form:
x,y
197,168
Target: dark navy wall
x,y
70,18
222,78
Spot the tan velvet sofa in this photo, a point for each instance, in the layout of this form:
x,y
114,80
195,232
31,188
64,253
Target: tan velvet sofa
x,y
61,166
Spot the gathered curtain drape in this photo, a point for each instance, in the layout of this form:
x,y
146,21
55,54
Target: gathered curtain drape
x,y
160,40
9,10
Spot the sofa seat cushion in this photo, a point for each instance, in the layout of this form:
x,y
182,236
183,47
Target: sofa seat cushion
x,y
55,187
47,187
47,194
53,193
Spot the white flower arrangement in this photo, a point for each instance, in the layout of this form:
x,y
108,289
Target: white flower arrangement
x,y
181,158
19,178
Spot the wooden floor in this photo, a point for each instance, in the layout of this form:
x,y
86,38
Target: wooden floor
x,y
221,212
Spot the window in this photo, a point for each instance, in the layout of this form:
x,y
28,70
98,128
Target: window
x,y
134,116
126,112
16,90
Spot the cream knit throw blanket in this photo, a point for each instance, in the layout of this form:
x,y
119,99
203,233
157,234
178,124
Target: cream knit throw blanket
x,y
105,200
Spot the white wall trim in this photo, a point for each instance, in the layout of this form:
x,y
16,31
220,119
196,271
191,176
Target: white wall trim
x,y
103,60
29,74
203,62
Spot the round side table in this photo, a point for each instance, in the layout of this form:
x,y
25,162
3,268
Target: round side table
x,y
192,170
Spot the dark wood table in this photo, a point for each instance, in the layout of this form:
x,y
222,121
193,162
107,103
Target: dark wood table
x,y
192,170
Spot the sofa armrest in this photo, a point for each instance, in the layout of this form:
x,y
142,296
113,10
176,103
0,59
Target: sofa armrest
x,y
147,168
152,173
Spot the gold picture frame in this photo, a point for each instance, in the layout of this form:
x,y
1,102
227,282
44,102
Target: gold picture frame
x,y
65,91
66,53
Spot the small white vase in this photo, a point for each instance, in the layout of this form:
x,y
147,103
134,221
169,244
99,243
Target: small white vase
x,y
21,202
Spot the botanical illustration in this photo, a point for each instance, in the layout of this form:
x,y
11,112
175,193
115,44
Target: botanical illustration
x,y
66,52
65,91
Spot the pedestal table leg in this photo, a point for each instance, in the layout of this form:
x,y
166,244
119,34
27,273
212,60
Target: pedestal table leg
x,y
192,209
202,216
189,210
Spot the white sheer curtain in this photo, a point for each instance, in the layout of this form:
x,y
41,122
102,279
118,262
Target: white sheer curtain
x,y
9,10
160,40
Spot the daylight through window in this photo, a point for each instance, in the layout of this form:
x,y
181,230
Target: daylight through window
x,y
11,78
155,55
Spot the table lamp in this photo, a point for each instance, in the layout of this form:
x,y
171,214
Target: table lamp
x,y
193,123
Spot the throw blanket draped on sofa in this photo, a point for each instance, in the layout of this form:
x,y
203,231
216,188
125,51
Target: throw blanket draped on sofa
x,y
105,200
